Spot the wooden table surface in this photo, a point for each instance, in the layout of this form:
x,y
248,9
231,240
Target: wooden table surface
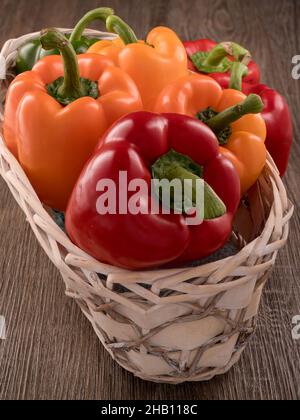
x,y
51,351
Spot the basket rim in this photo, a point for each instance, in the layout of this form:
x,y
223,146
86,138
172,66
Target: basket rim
x,y
78,256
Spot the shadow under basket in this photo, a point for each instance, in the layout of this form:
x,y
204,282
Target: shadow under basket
x,y
168,325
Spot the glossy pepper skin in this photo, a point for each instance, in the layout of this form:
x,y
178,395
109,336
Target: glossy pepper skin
x,y
143,241
245,147
32,51
151,64
278,120
52,141
207,45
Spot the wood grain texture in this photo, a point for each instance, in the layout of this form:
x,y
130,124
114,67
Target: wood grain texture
x,y
51,351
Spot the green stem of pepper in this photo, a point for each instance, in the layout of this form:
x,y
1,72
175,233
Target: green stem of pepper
x,y
224,49
116,25
251,105
216,60
102,13
212,205
238,71
70,87
175,166
52,38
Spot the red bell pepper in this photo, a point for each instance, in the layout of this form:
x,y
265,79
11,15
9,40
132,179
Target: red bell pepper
x,y
278,120
208,57
147,145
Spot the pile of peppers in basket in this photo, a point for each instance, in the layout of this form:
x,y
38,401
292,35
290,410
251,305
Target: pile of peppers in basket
x,y
83,110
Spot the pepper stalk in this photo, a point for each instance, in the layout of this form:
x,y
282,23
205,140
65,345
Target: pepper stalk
x,y
176,166
216,60
116,25
251,105
237,72
101,13
71,86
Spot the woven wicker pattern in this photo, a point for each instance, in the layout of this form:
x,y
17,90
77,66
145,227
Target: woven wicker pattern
x,y
169,325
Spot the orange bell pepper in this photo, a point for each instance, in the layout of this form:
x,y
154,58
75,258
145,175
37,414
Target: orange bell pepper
x,y
109,48
52,123
234,117
152,64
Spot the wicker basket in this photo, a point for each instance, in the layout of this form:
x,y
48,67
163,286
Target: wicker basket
x,y
169,325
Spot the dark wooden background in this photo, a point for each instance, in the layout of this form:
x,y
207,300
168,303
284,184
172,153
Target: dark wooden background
x,y
51,351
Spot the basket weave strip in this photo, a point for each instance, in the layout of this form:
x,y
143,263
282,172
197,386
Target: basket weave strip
x,y
168,325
